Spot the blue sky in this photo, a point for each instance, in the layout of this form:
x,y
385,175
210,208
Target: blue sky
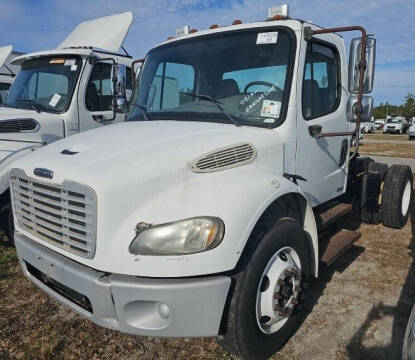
x,y
32,25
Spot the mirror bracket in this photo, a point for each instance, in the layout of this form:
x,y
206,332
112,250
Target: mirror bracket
x,y
308,33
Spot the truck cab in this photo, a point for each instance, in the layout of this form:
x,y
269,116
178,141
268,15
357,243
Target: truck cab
x,y
65,91
209,209
7,71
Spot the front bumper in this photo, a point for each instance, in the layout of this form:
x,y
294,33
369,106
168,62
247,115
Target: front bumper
x,y
133,305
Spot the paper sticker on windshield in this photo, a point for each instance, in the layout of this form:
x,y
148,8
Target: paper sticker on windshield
x,y
271,109
74,67
55,99
69,62
267,38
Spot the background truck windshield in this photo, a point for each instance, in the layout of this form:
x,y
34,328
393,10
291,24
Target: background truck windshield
x,y
45,84
249,72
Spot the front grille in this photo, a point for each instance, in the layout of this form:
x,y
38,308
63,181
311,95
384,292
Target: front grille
x,y
18,125
63,215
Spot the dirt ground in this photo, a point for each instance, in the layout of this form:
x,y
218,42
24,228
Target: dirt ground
x,y
359,310
378,135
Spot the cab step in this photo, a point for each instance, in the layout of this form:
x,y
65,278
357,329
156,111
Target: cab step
x,y
338,244
328,216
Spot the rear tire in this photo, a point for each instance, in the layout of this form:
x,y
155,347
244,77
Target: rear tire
x,y
371,191
396,196
249,332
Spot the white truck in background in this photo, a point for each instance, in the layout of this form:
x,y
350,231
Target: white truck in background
x,y
83,84
202,214
7,71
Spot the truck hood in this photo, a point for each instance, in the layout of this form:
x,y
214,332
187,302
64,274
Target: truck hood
x,y
143,150
49,129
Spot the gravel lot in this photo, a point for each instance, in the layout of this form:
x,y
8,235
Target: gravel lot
x,y
359,310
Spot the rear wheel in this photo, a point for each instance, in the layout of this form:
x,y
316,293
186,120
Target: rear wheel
x,y
370,203
264,308
396,196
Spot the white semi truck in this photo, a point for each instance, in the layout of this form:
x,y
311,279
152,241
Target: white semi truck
x,y
64,91
7,71
203,214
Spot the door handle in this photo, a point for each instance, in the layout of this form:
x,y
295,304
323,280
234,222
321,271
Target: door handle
x,y
315,130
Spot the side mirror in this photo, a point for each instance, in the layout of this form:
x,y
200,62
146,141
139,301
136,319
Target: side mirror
x,y
354,61
119,83
366,111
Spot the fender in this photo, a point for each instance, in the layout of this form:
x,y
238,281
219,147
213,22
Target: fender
x,y
283,187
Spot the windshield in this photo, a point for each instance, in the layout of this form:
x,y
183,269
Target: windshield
x,y
45,84
393,121
248,72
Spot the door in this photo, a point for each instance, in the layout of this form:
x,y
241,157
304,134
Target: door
x,y
322,105
95,100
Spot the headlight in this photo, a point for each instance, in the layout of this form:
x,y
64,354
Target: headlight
x,y
178,238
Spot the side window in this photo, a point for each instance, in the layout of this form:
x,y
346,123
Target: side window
x,y
98,95
168,85
321,90
4,89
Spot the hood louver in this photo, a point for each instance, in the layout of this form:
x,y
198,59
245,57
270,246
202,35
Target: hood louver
x,y
224,158
18,125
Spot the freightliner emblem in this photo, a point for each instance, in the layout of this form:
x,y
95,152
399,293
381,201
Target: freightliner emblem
x,y
45,173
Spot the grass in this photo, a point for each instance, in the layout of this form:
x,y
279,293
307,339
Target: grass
x,y
393,150
381,136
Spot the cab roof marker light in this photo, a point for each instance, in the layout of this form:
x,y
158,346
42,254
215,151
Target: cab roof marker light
x,y
193,31
214,26
278,12
184,30
237,22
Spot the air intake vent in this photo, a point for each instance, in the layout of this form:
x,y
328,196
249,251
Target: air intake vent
x,y
18,125
224,158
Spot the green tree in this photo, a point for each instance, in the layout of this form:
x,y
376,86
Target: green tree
x,y
409,105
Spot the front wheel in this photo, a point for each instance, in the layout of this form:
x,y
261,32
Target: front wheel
x,y
264,311
8,222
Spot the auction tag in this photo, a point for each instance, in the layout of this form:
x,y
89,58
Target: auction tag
x,y
55,99
271,109
74,67
267,38
69,62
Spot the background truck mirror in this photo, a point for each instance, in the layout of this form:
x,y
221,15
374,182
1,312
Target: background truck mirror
x,y
119,88
355,63
365,112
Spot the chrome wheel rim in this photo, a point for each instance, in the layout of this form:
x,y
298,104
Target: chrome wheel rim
x,y
406,198
278,290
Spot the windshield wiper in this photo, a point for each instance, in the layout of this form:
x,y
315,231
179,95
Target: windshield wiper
x,y
143,111
217,103
31,103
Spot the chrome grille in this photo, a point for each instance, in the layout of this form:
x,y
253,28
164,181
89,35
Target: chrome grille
x,y
63,215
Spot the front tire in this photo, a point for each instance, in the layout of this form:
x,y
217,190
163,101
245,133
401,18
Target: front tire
x,y
396,196
264,308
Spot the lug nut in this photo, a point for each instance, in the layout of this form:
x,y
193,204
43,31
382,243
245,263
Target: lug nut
x,y
281,282
294,272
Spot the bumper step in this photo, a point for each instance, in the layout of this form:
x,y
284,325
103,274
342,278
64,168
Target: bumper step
x,y
338,244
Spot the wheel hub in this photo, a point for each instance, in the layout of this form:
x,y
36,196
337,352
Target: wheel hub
x,y
279,290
